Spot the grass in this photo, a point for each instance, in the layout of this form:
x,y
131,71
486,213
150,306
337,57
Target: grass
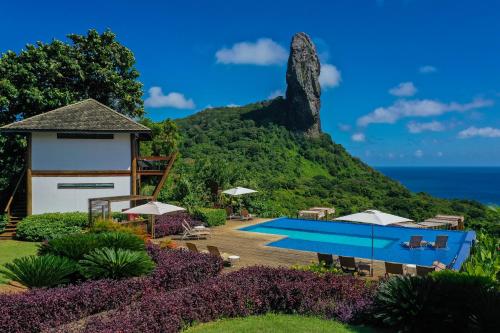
x,y
11,249
275,323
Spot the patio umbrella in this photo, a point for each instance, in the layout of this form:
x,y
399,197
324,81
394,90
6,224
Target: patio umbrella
x,y
238,191
373,217
154,208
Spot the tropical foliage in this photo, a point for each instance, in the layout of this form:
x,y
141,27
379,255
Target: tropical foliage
x,y
211,216
115,263
43,271
485,258
441,302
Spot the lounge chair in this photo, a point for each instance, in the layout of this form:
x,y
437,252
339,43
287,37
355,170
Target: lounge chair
x,y
415,242
349,265
193,248
325,258
424,270
230,214
440,243
245,215
226,257
194,233
392,268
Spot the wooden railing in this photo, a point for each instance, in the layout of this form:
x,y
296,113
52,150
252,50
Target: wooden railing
x,y
13,194
152,165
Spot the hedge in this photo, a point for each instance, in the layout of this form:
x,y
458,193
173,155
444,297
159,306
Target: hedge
x,y
41,309
171,224
47,226
3,221
249,291
211,216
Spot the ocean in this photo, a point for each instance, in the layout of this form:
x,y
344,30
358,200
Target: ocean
x,y
476,183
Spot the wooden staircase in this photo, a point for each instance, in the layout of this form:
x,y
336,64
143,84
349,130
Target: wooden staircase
x,y
16,209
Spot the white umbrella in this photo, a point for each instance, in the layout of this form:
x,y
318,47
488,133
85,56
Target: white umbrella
x,y
239,191
154,208
374,217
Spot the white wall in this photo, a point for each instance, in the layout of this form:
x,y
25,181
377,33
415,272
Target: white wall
x,y
50,153
47,198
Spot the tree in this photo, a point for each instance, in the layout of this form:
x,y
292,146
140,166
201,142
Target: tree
x,y
165,139
44,76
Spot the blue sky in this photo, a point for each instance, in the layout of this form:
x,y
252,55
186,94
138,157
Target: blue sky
x,y
405,83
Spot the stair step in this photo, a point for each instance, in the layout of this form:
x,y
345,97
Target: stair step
x,y
7,235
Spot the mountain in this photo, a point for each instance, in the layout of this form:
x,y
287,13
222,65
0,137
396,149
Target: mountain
x,y
278,148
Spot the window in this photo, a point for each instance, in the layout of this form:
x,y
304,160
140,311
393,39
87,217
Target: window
x,y
85,136
63,186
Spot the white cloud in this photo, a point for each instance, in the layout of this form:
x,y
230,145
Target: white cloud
x,y
427,69
403,89
329,76
344,127
484,132
263,52
419,153
433,126
358,137
275,94
175,100
418,108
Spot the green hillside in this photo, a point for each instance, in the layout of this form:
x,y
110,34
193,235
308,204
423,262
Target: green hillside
x,y
247,146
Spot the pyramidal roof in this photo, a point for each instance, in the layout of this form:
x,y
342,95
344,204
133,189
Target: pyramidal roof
x,y
85,116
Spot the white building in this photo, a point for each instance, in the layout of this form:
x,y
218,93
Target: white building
x,y
80,151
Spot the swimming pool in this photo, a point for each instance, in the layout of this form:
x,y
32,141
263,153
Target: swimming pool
x,y
354,239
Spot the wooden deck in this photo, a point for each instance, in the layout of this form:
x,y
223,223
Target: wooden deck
x,y
252,248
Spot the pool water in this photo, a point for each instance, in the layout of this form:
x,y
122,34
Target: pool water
x,y
326,237
355,239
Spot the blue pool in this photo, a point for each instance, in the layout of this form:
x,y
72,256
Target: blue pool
x,y
353,239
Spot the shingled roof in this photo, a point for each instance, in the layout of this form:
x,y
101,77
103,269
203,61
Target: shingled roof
x,y
85,116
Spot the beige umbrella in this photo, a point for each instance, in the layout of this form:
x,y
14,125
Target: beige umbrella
x,y
154,208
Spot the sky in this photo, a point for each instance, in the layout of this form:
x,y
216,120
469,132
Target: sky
x,y
404,82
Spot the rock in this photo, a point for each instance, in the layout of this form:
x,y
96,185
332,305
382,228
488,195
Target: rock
x,y
303,89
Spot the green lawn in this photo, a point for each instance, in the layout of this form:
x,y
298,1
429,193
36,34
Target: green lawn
x,y
11,249
275,323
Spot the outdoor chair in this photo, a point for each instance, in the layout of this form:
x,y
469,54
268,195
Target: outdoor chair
x,y
415,242
245,215
392,268
440,243
349,265
326,258
230,214
194,233
226,257
193,248
424,270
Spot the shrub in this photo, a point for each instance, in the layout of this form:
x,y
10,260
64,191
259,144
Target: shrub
x,y
115,264
41,309
211,216
3,221
43,271
249,291
444,301
77,245
485,258
100,226
50,225
319,268
171,224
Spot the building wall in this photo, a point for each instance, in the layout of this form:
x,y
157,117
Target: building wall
x,y
47,198
50,153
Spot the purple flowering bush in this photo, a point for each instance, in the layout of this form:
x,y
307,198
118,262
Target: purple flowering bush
x,y
249,291
40,309
171,224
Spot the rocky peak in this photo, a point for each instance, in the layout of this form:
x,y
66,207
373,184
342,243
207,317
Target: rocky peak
x,y
303,89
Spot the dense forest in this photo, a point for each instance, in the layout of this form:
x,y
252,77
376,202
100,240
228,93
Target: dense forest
x,y
247,146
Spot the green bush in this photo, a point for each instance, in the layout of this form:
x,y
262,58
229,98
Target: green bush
x,y
485,258
115,264
211,216
43,271
446,301
76,246
50,225
3,221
